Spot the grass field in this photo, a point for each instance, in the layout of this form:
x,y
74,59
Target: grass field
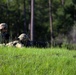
x,y
36,61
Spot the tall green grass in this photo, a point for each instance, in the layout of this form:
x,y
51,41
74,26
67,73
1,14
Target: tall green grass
x,y
36,61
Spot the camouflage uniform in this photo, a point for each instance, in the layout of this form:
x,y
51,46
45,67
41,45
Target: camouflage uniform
x,y
0,38
4,36
15,43
20,42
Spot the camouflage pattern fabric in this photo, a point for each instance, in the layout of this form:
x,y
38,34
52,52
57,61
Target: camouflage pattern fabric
x,y
4,36
15,43
3,25
0,38
21,42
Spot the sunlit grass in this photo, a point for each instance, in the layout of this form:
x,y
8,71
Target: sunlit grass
x,y
36,61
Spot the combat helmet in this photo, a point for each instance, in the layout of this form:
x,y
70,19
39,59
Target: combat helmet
x,y
3,25
23,37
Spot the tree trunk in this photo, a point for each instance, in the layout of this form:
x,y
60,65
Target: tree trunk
x,y
29,16
62,2
51,20
74,13
24,16
8,22
32,20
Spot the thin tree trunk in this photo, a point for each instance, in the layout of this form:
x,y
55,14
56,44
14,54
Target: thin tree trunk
x,y
7,10
29,16
51,20
24,16
74,13
32,20
62,2
8,22
29,5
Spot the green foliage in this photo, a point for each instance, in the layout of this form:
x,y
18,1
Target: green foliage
x,y
12,12
71,46
62,17
36,61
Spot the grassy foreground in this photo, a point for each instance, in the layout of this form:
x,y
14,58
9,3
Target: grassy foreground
x,y
35,61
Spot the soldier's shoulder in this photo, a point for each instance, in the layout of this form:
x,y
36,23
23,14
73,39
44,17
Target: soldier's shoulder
x,y
15,43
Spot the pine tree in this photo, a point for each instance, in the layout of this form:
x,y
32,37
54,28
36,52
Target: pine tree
x,y
51,20
32,21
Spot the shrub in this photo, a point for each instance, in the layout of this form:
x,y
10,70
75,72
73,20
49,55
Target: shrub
x,y
71,46
60,41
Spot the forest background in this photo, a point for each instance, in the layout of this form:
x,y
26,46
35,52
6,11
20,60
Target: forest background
x,y
60,29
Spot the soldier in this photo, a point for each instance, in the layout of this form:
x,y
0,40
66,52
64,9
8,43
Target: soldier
x,y
4,36
23,38
20,42
15,43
